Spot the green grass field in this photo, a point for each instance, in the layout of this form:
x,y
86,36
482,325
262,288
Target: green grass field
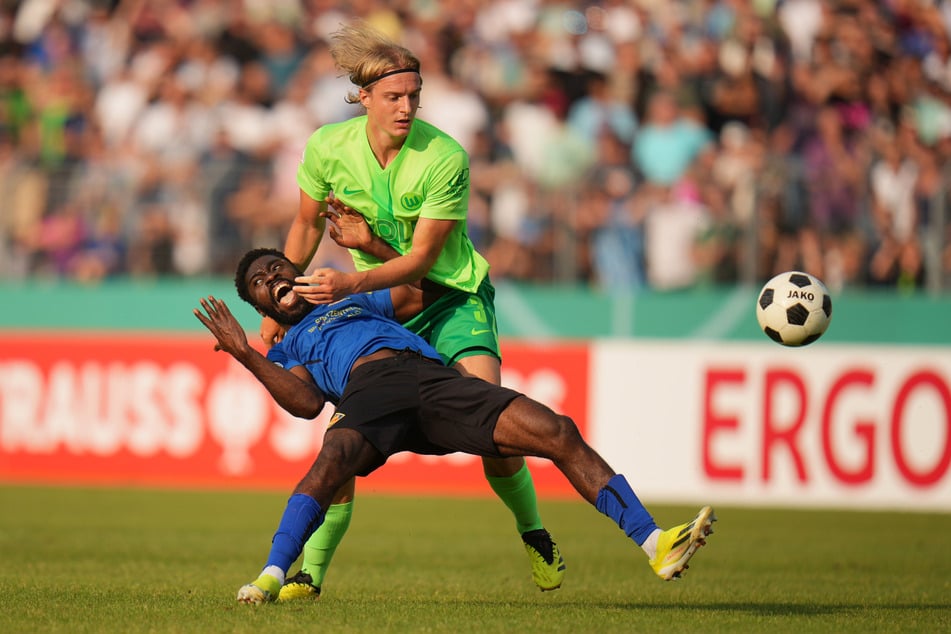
x,y
98,560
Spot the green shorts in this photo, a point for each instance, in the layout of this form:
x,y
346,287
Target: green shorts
x,y
460,324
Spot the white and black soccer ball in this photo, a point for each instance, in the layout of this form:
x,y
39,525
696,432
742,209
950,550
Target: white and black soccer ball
x,y
794,308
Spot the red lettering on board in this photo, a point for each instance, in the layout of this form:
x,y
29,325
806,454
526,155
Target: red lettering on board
x,y
864,430
783,433
716,423
915,381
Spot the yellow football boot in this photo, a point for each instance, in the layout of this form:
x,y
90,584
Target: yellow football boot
x,y
264,589
300,586
548,566
677,545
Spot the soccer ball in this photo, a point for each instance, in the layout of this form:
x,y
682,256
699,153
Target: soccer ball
x,y
794,308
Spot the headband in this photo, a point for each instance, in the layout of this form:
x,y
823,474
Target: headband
x,y
387,74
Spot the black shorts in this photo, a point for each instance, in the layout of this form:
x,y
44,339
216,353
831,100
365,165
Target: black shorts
x,y
410,403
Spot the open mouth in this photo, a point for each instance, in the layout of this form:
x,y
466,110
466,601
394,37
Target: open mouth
x,y
283,293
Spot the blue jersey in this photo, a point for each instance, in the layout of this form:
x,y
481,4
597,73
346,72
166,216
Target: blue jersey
x,y
333,336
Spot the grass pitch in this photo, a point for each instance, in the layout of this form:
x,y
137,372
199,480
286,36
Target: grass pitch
x,y
116,560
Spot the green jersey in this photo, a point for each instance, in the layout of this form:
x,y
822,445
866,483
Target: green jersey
x,y
429,178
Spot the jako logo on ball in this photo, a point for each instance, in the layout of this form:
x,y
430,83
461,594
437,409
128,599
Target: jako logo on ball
x,y
794,308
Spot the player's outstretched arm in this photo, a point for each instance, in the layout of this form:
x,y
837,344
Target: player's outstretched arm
x,y
299,396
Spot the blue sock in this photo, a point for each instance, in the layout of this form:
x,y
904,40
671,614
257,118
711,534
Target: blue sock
x,y
617,500
302,516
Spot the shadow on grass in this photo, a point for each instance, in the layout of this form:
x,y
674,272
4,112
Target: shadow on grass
x,y
778,608
755,609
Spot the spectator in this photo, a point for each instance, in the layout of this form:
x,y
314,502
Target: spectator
x,y
610,222
599,111
674,225
668,142
835,171
893,182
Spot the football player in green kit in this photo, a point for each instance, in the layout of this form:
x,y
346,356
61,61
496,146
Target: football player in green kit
x,y
396,190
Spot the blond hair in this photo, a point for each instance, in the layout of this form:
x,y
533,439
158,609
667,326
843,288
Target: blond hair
x,y
366,55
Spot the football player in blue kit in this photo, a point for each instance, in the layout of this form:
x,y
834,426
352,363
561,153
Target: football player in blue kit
x,y
393,393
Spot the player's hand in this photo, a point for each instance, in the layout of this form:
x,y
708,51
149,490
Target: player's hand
x,y
347,226
325,285
218,319
271,332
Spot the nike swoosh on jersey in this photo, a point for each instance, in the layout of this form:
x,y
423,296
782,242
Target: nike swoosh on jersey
x,y
475,332
347,191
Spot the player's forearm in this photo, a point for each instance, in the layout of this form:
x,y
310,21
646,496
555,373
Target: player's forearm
x,y
294,395
302,241
405,269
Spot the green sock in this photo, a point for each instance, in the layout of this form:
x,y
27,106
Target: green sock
x,y
518,493
320,548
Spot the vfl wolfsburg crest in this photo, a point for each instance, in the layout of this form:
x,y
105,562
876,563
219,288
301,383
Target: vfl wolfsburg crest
x,y
411,201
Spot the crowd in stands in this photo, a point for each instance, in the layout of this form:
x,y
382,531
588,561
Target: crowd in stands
x,y
619,144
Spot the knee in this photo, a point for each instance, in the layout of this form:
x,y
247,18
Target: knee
x,y
565,434
326,476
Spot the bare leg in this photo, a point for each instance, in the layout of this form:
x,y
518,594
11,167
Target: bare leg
x,y
345,453
527,427
346,492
